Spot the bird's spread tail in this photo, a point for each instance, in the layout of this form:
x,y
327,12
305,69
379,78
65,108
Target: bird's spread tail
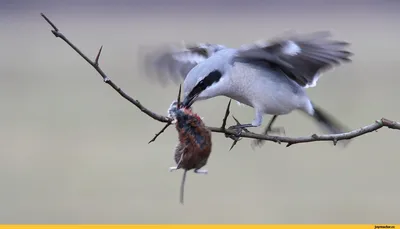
x,y
329,123
183,186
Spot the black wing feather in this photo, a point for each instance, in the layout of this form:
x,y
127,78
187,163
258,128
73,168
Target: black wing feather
x,y
310,54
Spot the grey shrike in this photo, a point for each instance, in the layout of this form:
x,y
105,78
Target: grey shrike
x,y
269,76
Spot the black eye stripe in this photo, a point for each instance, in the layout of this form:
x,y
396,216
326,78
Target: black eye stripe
x,y
210,79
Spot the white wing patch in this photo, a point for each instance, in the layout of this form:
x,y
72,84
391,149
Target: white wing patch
x,y
255,44
291,48
189,57
314,82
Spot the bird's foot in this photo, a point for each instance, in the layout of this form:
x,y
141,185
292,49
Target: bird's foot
x,y
274,130
238,131
173,168
201,171
239,128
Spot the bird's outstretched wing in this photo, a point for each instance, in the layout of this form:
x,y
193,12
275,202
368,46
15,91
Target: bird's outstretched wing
x,y
173,63
301,57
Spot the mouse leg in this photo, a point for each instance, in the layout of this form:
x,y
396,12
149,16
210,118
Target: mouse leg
x,y
201,171
173,168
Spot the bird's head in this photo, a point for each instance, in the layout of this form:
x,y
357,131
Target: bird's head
x,y
209,86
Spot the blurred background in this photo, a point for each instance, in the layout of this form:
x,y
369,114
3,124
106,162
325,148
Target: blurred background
x,y
73,151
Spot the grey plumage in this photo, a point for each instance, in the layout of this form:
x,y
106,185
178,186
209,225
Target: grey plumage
x,y
271,76
174,62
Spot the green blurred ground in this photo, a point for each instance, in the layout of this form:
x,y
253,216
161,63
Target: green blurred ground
x,y
73,151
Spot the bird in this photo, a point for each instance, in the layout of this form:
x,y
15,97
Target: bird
x,y
195,143
271,76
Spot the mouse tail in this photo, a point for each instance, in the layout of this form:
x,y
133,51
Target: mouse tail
x,y
183,186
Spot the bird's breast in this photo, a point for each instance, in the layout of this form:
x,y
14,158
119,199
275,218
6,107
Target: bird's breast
x,y
264,90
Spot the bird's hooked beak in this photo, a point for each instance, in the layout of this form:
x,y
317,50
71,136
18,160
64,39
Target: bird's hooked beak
x,y
189,100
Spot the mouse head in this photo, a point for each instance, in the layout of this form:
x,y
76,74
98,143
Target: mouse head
x,y
176,110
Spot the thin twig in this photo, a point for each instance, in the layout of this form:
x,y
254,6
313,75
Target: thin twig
x,y
160,132
383,122
106,79
178,104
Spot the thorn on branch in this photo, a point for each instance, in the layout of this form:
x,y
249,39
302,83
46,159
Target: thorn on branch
x,y
56,33
96,62
227,112
178,99
233,145
238,123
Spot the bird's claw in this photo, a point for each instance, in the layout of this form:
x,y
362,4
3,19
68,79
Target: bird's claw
x,y
239,130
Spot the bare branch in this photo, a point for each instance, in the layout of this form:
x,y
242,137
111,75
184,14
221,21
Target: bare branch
x,y
106,79
383,122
